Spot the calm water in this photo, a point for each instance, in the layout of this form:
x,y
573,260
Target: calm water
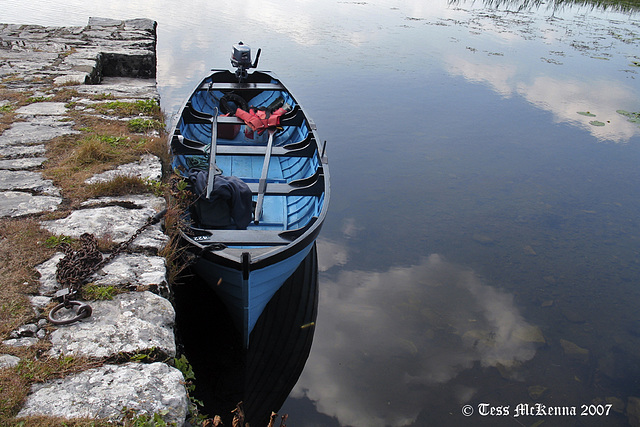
x,y
475,212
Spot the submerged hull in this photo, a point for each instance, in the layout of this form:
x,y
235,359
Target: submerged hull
x,y
263,375
250,236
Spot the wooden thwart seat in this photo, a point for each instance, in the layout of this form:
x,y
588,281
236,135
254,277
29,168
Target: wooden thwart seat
x,y
244,238
304,148
311,186
190,115
251,237
242,86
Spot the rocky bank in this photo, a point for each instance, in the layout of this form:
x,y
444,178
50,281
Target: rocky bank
x,y
115,59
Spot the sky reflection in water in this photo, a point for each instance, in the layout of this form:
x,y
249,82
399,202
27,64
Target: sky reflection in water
x,y
389,338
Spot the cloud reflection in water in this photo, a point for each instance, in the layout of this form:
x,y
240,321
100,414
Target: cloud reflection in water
x,y
402,332
564,97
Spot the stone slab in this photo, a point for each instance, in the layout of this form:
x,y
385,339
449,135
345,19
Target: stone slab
x,y
43,109
27,180
21,342
103,392
136,201
115,222
22,163
135,269
131,322
122,87
16,151
128,24
35,131
149,167
8,361
39,303
17,203
73,79
125,269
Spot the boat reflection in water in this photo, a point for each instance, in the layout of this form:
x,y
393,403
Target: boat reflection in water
x,y
263,375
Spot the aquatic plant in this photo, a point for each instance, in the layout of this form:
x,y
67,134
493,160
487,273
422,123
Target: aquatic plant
x,y
626,6
182,364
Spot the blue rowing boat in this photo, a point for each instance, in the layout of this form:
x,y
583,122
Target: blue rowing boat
x,y
253,161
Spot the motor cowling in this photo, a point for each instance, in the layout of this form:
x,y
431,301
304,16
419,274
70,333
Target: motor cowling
x,y
241,59
241,56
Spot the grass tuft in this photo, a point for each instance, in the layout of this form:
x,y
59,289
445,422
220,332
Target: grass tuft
x,y
140,125
93,150
121,185
149,107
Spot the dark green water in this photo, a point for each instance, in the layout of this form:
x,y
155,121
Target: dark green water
x,y
483,240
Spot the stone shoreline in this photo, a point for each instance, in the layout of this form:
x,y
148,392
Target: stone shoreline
x,y
114,58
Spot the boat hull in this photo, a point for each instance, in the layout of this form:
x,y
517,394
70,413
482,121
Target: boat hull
x,y
247,293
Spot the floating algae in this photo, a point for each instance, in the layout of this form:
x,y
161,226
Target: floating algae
x,y
586,113
596,123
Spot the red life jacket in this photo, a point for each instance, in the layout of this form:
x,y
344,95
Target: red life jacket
x,y
258,120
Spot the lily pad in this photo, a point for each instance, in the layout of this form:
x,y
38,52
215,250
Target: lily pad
x,y
529,334
573,351
628,114
536,391
596,123
633,117
586,113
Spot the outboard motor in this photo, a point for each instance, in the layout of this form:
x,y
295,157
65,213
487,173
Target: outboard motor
x,y
241,59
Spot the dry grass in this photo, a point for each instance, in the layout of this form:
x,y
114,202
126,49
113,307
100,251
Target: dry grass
x,y
11,401
119,186
173,253
7,116
54,421
106,145
21,248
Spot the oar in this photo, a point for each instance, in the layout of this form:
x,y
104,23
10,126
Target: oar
x,y
213,169
262,184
